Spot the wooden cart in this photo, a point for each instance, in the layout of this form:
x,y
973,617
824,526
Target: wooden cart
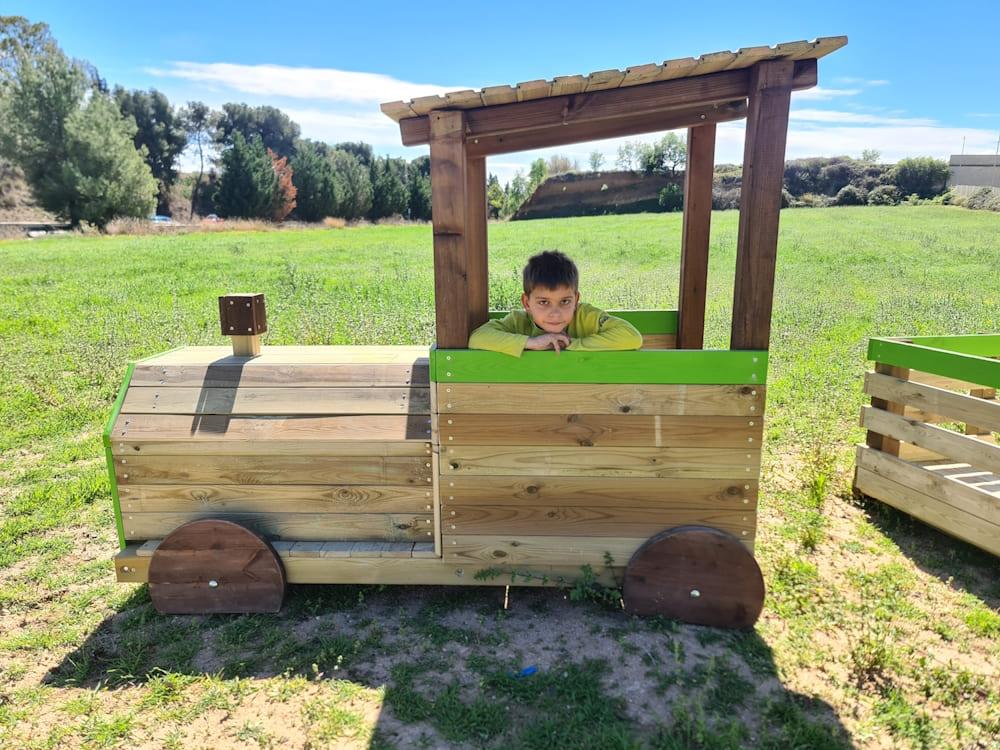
x,y
931,449
235,473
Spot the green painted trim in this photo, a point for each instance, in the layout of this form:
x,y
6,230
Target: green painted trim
x,y
983,345
646,321
950,364
115,411
690,366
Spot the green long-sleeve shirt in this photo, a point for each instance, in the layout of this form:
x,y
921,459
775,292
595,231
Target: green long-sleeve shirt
x,y
591,329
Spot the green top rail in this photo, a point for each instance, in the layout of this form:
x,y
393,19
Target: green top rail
x,y
973,358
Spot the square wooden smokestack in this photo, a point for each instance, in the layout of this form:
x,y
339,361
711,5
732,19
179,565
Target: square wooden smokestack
x,y
244,318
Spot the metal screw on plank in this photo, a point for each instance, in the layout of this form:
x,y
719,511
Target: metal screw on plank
x,y
695,593
213,584
126,569
459,572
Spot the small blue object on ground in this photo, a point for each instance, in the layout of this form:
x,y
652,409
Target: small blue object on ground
x,y
528,671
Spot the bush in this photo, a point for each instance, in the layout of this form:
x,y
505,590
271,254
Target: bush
x,y
671,197
984,199
724,198
884,195
811,200
849,195
924,176
786,199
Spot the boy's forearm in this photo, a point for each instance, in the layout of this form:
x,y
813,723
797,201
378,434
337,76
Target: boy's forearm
x,y
615,335
494,339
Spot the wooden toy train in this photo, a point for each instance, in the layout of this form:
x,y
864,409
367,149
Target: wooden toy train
x,y
234,474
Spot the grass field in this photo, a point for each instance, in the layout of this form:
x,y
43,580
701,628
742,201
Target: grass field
x,y
877,632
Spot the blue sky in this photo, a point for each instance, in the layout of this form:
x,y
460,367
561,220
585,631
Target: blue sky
x,y
915,78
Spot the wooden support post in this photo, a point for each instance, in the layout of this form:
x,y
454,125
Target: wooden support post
x,y
760,202
243,318
449,175
986,393
694,249
875,440
476,242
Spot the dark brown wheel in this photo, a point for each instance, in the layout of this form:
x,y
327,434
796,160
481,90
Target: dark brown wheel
x,y
215,567
695,574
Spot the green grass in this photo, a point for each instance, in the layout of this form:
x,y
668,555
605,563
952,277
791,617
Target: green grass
x,y
877,631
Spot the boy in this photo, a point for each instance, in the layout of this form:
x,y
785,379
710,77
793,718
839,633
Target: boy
x,y
553,317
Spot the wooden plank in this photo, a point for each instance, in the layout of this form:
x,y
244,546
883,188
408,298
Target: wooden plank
x,y
748,56
464,99
693,463
419,570
604,79
910,452
955,406
637,75
397,110
476,242
292,526
337,549
538,550
989,394
564,85
230,447
874,439
619,492
591,130
554,520
770,88
604,430
397,549
305,549
930,510
550,398
354,375
195,469
499,95
222,356
713,62
299,498
944,442
659,341
425,549
939,381
277,401
965,497
365,549
528,91
423,105
449,199
148,548
695,237
436,472
382,432
621,104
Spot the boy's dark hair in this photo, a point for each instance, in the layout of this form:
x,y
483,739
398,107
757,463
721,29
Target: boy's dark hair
x,y
550,269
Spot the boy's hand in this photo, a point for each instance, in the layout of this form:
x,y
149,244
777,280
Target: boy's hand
x,y
555,341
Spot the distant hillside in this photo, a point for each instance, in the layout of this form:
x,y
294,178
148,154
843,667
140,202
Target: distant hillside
x,y
595,193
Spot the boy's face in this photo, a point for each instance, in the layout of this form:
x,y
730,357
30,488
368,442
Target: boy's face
x,y
551,309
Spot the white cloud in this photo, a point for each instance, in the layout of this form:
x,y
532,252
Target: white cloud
x,y
852,81
342,125
328,84
834,116
820,94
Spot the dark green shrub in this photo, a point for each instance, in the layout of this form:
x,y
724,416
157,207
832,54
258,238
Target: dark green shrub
x,y
671,197
921,175
984,199
724,198
849,195
884,195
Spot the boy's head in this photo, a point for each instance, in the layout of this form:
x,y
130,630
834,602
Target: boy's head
x,y
551,293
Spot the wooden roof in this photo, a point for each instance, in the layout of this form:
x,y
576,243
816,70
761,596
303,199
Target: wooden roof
x,y
685,67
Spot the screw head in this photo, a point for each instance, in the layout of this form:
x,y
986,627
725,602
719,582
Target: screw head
x,y
213,584
695,594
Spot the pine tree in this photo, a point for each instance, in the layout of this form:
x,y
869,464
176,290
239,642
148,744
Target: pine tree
x,y
356,198
318,191
248,183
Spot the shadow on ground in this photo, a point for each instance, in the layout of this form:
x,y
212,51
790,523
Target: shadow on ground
x,y
452,667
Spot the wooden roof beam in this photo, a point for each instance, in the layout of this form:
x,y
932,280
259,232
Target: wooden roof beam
x,y
582,132
616,105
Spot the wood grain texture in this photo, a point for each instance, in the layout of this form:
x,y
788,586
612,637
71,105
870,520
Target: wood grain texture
x,y
221,356
659,341
770,88
246,572
617,492
539,460
449,208
956,406
301,498
476,242
539,398
554,520
696,575
589,430
966,497
276,401
402,432
265,469
698,178
538,550
930,510
287,375
292,526
874,439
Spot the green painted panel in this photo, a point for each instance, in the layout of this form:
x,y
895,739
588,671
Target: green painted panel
x,y
694,366
646,321
949,364
984,345
115,411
